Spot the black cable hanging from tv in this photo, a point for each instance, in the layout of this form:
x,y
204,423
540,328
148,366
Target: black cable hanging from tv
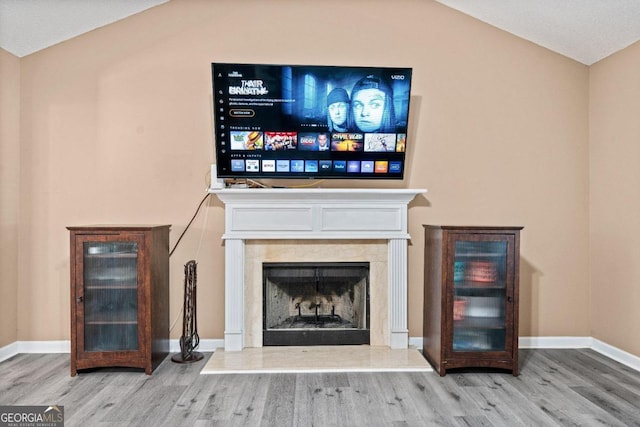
x,y
189,339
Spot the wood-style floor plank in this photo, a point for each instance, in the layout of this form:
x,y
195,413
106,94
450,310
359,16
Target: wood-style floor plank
x,y
280,395
331,400
554,388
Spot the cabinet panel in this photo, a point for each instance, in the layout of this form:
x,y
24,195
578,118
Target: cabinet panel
x,y
110,289
477,324
119,296
479,301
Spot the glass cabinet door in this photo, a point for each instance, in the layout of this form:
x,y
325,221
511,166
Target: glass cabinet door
x,y
480,295
110,295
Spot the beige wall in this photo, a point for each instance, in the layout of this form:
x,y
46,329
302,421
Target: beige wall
x,y
117,127
9,191
614,205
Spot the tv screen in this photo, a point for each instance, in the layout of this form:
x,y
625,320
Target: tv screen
x,y
303,121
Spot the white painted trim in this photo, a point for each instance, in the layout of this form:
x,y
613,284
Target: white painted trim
x,y
554,342
63,346
603,348
616,354
18,347
535,342
210,345
415,342
315,213
8,351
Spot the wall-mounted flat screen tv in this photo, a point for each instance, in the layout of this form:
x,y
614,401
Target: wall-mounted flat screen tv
x,y
303,121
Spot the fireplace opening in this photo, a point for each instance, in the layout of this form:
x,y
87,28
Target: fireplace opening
x,y
316,303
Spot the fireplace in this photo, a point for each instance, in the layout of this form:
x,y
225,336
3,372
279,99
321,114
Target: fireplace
x,y
315,225
315,303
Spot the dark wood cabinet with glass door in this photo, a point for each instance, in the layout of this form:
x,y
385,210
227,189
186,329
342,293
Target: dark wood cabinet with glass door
x,y
119,296
471,297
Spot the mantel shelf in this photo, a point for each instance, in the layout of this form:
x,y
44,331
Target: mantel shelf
x,y
316,213
383,195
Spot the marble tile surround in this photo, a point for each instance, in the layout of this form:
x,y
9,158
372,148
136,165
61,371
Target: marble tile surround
x,y
372,251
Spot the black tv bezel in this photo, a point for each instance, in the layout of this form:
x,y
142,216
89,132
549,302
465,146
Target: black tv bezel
x,y
223,158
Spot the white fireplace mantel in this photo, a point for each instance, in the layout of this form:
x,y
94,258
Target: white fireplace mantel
x,y
315,213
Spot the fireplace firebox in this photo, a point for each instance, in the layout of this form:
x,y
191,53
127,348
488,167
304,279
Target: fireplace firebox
x,y
316,303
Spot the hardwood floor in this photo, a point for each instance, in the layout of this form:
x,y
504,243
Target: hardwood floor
x,y
555,387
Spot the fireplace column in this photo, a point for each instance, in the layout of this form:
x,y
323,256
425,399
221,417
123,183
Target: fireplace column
x,y
397,269
234,295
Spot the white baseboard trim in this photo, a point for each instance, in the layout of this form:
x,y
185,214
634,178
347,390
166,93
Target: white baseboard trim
x,y
616,354
415,342
210,345
18,347
64,346
555,342
534,342
8,351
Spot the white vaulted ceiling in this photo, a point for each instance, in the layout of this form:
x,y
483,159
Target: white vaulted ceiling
x,y
584,30
27,26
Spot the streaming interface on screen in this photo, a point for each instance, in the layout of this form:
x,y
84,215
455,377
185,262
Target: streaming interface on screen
x,y
300,121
